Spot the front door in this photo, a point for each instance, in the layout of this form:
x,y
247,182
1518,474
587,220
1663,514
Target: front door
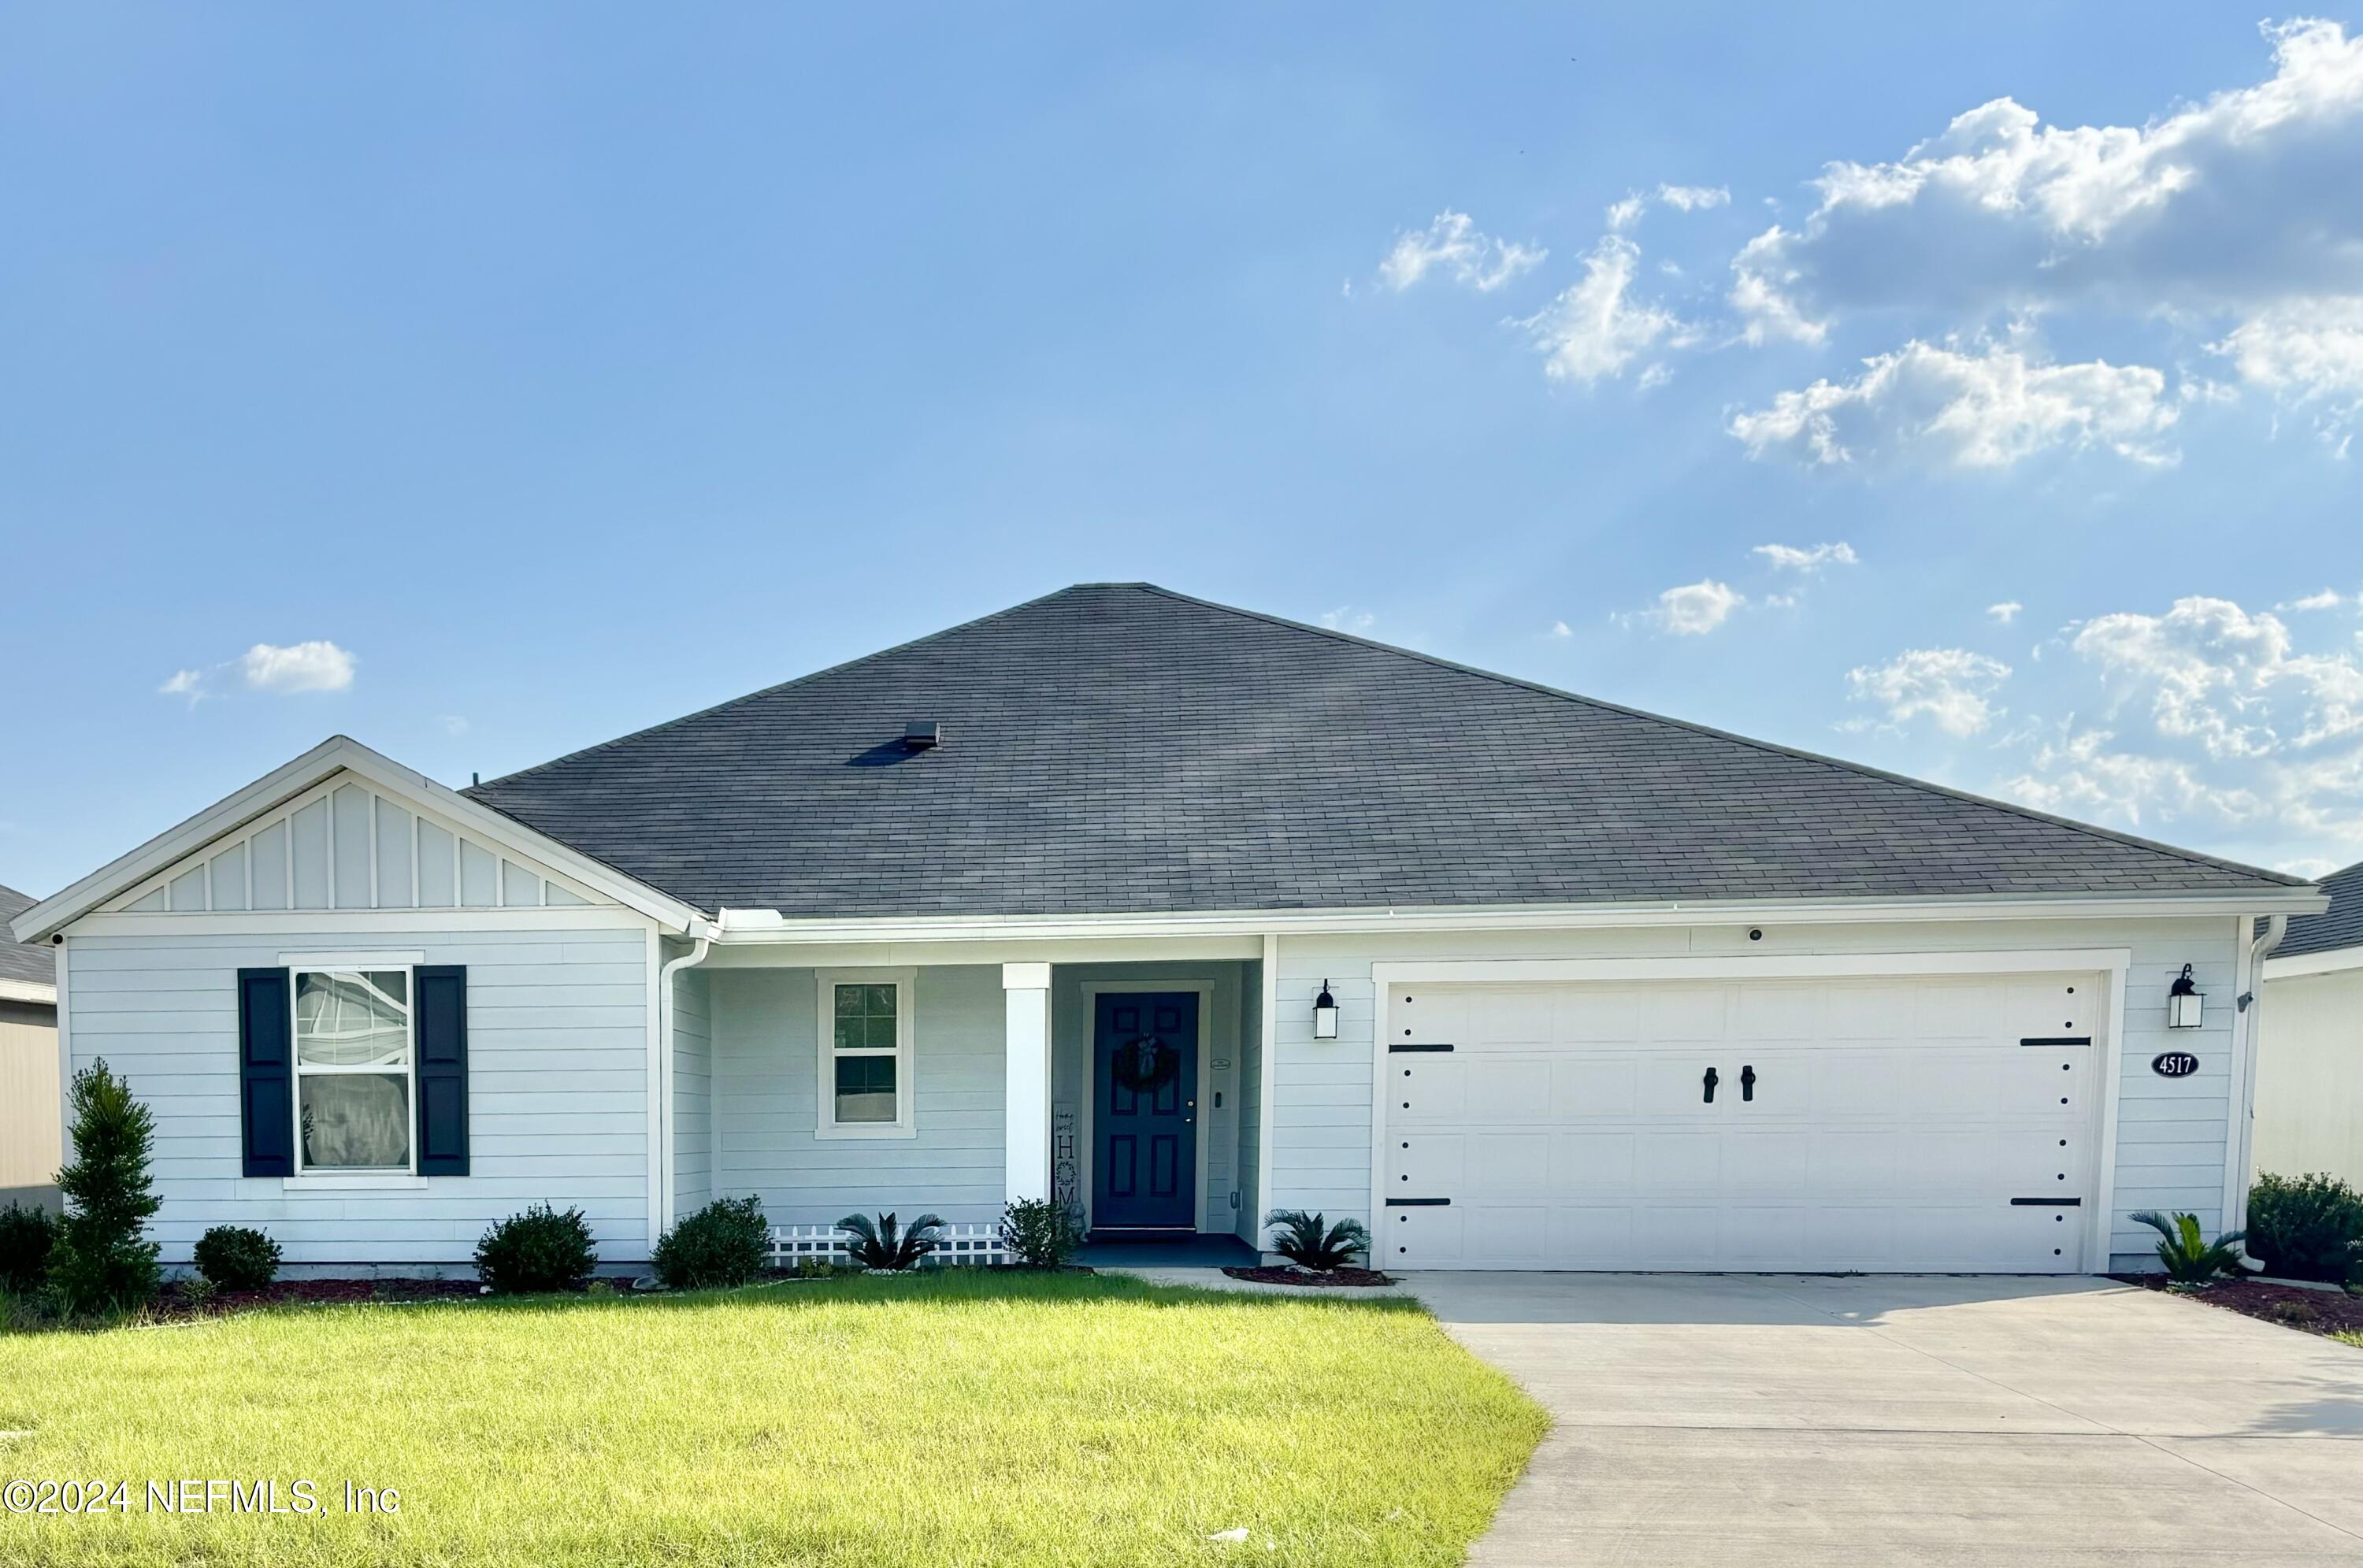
x,y
1144,1126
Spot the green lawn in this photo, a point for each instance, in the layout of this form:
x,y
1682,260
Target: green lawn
x,y
957,1418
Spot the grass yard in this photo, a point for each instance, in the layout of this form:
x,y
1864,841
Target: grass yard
x,y
955,1417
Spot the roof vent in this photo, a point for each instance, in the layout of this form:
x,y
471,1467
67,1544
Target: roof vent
x,y
921,735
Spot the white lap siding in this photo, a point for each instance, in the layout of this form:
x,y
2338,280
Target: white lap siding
x,y
767,1079
558,1053
2174,1136
693,1098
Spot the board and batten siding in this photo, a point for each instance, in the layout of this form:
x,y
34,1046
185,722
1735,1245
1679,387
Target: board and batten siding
x,y
2173,1140
766,1046
30,1115
557,1055
692,1091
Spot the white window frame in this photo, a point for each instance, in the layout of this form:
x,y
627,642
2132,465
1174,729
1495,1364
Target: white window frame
x,y
352,963
905,1123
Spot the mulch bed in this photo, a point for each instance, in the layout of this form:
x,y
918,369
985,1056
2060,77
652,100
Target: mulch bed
x,y
173,1303
2315,1311
1332,1280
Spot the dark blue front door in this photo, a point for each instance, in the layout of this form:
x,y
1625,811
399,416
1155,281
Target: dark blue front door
x,y
1145,1121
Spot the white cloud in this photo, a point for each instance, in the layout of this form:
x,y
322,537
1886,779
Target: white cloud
x,y
1694,198
299,667
1789,557
1561,629
1988,408
1592,330
1623,215
1690,610
1952,686
2328,598
1346,618
2213,673
2243,207
1451,244
2006,612
453,724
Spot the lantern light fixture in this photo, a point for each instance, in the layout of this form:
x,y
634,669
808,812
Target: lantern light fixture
x,y
1325,1014
2183,1001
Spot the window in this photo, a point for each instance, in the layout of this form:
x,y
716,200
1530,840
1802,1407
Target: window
x,y
353,1070
865,1053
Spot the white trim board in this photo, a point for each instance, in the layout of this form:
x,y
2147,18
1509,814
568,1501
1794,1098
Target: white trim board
x,y
2111,963
275,788
2334,961
31,992
1204,991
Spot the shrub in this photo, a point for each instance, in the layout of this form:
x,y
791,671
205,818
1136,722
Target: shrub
x,y
99,1261
882,1246
2189,1257
26,1236
2306,1227
232,1257
1307,1241
541,1249
1040,1232
725,1242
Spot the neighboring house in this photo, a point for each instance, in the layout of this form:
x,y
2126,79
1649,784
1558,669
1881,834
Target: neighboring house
x,y
2309,1071
31,1110
1186,913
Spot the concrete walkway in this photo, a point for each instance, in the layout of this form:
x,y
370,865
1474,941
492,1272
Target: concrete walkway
x,y
1775,1419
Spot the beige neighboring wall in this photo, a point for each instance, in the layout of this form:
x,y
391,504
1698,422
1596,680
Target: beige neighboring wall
x,y
30,1108
2310,1075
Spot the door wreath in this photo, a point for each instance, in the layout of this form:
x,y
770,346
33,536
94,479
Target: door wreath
x,y
1145,1065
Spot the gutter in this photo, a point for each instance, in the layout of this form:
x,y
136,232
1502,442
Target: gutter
x,y
666,1177
2251,1005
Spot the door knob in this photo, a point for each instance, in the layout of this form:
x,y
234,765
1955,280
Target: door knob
x,y
1711,1081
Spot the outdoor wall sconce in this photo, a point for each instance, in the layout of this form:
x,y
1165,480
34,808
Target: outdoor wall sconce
x,y
1325,1014
2183,1001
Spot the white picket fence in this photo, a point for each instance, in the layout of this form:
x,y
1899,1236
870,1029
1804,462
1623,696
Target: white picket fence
x,y
971,1246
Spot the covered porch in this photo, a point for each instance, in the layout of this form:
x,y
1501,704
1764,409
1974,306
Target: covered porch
x,y
833,1081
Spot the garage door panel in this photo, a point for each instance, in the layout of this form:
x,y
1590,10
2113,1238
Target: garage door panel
x,y
1592,1086
1892,1123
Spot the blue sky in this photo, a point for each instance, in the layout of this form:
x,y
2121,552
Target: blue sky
x,y
487,385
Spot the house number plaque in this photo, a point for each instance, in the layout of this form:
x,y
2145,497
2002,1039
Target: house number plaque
x,y
2174,1064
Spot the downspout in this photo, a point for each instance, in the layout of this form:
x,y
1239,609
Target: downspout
x,y
669,1176
2251,1004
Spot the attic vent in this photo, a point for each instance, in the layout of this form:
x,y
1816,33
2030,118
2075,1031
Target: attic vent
x,y
921,735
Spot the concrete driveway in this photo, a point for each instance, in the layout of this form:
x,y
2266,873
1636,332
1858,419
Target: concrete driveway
x,y
1775,1419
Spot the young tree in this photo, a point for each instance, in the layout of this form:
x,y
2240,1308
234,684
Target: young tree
x,y
99,1261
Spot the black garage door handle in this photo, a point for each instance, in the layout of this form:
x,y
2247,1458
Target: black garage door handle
x,y
1711,1081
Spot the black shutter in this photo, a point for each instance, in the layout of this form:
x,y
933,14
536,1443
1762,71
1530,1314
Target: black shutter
x,y
266,1025
442,1006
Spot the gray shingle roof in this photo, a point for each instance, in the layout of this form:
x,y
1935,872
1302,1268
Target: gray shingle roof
x,y
1122,747
20,960
2340,925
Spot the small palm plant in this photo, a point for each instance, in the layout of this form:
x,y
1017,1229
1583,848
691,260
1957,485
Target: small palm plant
x,y
1310,1242
884,1245
2190,1258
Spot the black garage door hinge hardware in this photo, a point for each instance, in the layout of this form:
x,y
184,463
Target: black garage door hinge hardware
x,y
2046,1203
1419,1203
1711,1080
2060,1040
1406,1045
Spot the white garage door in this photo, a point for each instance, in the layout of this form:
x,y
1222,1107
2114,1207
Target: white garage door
x,y
1901,1124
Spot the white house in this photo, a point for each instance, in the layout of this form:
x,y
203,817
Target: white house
x,y
2310,1065
1187,914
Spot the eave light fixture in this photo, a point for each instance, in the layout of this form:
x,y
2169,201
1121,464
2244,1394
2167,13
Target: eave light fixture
x,y
2183,1001
1325,1014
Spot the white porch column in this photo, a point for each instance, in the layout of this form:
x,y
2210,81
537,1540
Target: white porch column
x,y
1025,1095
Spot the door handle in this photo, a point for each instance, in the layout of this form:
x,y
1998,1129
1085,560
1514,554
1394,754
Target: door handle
x,y
1711,1081
1748,1083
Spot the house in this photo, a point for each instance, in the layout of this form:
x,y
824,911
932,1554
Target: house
x,y
1185,913
31,1111
2310,1068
